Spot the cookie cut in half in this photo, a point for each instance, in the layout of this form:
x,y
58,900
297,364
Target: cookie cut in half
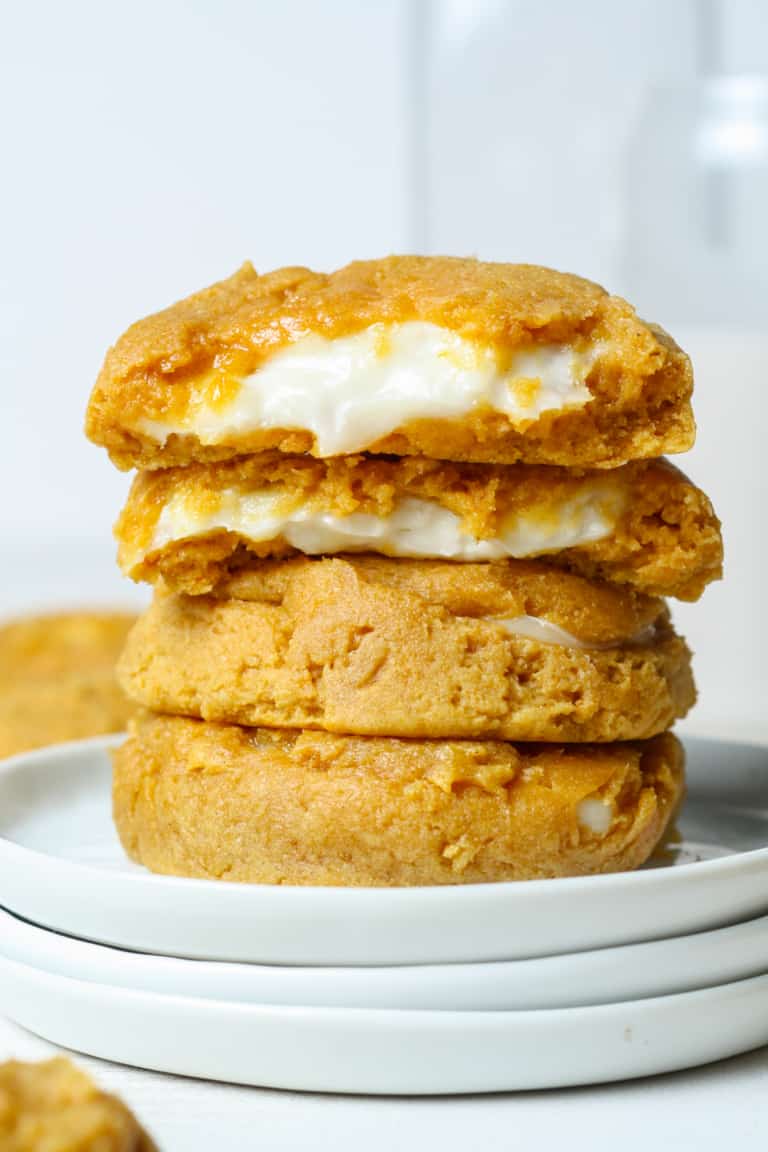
x,y
411,355
644,524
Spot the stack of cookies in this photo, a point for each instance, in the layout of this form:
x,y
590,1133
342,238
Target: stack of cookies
x,y
410,536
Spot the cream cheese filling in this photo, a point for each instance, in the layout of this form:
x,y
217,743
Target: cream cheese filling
x,y
352,391
418,529
595,814
545,632
536,628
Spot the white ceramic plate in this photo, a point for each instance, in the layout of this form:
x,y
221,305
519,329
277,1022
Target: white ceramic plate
x,y
610,975
384,1051
61,866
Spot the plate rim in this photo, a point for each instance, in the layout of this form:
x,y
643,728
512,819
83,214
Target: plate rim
x,y
362,1051
416,1015
612,974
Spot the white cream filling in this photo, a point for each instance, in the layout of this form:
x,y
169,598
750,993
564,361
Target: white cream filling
x,y
536,628
416,528
595,814
353,390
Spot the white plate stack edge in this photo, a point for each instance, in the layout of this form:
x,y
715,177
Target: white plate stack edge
x,y
434,990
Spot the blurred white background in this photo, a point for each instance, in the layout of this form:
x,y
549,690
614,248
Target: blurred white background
x,y
150,148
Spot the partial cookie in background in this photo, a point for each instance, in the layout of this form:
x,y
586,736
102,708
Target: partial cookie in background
x,y
57,678
450,358
644,524
254,805
54,1107
415,648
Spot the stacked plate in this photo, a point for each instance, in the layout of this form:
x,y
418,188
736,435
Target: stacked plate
x,y
427,990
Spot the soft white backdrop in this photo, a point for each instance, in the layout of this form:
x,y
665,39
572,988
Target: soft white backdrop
x,y
149,148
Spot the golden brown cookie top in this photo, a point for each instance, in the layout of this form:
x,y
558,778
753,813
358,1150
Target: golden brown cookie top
x,y
167,389
54,1106
203,749
496,303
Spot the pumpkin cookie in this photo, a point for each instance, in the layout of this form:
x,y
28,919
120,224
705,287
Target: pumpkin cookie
x,y
414,648
57,678
54,1107
248,804
644,524
411,355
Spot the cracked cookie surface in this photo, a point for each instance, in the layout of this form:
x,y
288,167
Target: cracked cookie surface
x,y
414,648
223,802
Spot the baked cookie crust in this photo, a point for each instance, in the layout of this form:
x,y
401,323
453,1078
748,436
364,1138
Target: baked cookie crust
x,y
663,536
57,678
54,1106
413,649
197,353
228,803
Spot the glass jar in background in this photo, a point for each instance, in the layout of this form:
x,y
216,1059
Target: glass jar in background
x,y
695,258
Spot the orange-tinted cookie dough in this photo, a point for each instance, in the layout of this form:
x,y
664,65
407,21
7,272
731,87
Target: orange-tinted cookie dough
x,y
413,649
196,354
665,537
244,804
54,1107
57,678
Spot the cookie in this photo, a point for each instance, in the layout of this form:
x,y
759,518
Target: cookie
x,y
54,1107
644,524
410,355
247,804
57,679
415,648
